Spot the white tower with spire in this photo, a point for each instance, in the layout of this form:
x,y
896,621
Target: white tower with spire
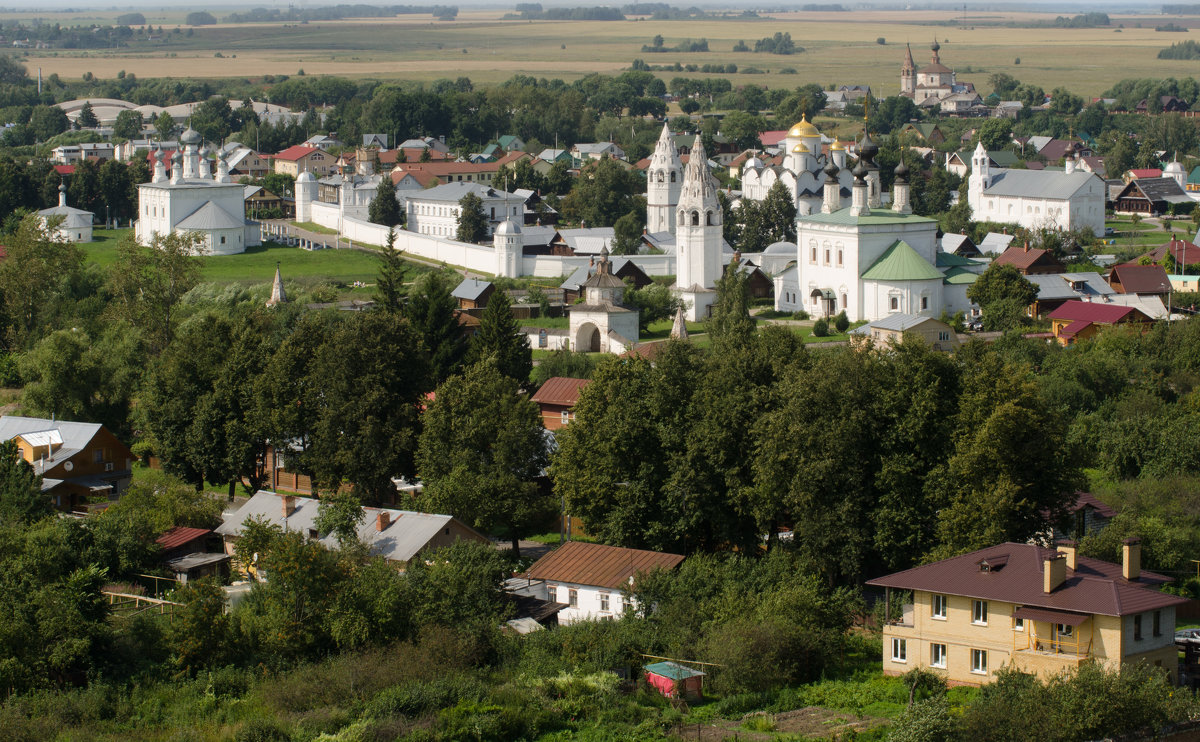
x,y
508,244
698,236
981,176
664,179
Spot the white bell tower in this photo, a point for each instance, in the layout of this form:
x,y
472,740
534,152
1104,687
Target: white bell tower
x,y
698,236
507,242
664,179
980,178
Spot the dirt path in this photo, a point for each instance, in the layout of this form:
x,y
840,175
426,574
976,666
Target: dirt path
x,y
812,722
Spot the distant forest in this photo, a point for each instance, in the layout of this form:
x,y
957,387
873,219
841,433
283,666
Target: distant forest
x,y
1181,9
337,12
1182,50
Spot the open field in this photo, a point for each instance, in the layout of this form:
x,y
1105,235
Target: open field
x,y
841,48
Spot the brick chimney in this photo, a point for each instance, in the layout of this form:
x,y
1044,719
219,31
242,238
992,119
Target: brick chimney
x,y
289,506
1131,558
1026,245
1068,548
1054,573
383,520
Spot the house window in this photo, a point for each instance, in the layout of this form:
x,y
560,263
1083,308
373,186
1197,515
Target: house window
x,y
624,602
943,336
827,257
573,598
552,594
1137,628
839,258
939,607
979,661
1064,631
1158,623
566,417
813,256
899,650
979,612
924,302
937,655
894,303
1018,624
98,455
604,602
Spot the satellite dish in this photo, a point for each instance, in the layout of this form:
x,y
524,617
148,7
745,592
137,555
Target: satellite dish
x,y
68,466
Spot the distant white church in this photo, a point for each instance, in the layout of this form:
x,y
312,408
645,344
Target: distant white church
x,y
1067,199
804,170
194,200
73,225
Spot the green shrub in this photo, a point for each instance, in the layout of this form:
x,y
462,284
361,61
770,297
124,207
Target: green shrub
x,y
800,314
841,322
821,328
262,730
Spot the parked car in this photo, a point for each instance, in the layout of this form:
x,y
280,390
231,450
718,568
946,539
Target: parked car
x,y
1109,231
1184,634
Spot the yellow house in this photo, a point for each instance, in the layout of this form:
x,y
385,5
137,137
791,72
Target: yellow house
x,y
1034,609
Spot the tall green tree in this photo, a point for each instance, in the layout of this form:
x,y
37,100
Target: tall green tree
x,y
431,311
164,126
472,222
1004,295
384,208
731,325
501,338
603,193
148,282
128,125
21,498
481,452
38,268
389,284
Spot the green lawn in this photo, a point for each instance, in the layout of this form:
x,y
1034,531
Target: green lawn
x,y
314,227
257,264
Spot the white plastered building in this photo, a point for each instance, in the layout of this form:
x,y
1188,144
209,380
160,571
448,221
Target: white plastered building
x,y
1067,199
664,181
602,323
803,171
73,225
698,237
194,200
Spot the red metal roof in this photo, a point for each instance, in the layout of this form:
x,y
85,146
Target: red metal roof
x,y
1073,329
1022,258
442,169
1089,311
1093,587
296,152
599,565
1181,250
1141,279
560,390
1087,499
180,536
1146,172
64,169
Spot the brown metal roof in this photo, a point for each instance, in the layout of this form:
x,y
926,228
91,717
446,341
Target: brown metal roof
x,y
180,536
1093,587
1022,258
1087,499
599,565
561,391
1141,279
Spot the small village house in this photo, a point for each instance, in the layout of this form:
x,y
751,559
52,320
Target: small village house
x,y
1142,280
1037,610
892,329
1030,261
473,293
557,399
79,463
300,159
594,580
1080,320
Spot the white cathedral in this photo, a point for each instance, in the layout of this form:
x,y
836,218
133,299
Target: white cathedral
x,y
803,170
192,199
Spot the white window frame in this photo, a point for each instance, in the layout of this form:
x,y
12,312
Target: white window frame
x,y
979,662
604,598
572,597
552,593
937,656
900,650
979,612
941,602
566,417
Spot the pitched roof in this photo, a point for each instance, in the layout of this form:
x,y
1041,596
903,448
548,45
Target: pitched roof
x,y
948,259
296,152
1146,172
898,322
211,216
957,275
1141,279
1023,258
1048,184
599,565
1158,189
180,536
1088,500
470,289
996,242
406,534
74,436
901,262
1086,311
1181,250
444,168
1093,587
1063,286
560,390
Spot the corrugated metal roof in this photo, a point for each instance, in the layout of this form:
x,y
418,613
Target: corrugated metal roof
x,y
672,670
470,289
1141,279
959,276
75,436
180,535
560,390
1048,184
407,533
901,262
897,323
1086,311
599,565
1022,258
211,216
1093,587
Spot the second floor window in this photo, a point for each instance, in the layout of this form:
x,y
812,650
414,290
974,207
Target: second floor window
x,y
979,612
1137,628
939,606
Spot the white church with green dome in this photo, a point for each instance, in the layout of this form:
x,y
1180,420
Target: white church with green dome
x,y
868,260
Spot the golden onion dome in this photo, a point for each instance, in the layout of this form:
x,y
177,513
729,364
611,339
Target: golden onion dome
x,y
838,146
803,129
800,149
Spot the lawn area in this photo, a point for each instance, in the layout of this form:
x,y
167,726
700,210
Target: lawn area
x,y
257,264
314,227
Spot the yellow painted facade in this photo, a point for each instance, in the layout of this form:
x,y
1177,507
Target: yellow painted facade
x,y
1033,647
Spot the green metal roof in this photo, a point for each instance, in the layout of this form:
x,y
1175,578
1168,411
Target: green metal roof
x,y
672,670
948,259
958,276
1003,158
1194,176
901,262
878,216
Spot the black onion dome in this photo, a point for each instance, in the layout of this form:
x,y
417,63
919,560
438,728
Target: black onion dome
x,y
831,170
901,172
868,149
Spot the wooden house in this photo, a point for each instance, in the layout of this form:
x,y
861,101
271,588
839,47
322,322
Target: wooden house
x,y
1079,320
1143,280
473,293
1031,261
1150,196
79,463
557,398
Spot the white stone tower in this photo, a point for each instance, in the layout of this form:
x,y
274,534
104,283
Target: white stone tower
x,y
908,73
507,242
306,193
980,178
698,236
664,179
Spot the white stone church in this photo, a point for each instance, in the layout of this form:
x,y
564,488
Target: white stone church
x,y
803,172
1067,199
192,199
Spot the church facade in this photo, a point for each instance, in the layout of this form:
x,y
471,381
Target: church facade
x,y
933,84
802,170
1067,199
698,240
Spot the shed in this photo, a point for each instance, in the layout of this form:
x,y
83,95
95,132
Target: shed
x,y
473,293
674,680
